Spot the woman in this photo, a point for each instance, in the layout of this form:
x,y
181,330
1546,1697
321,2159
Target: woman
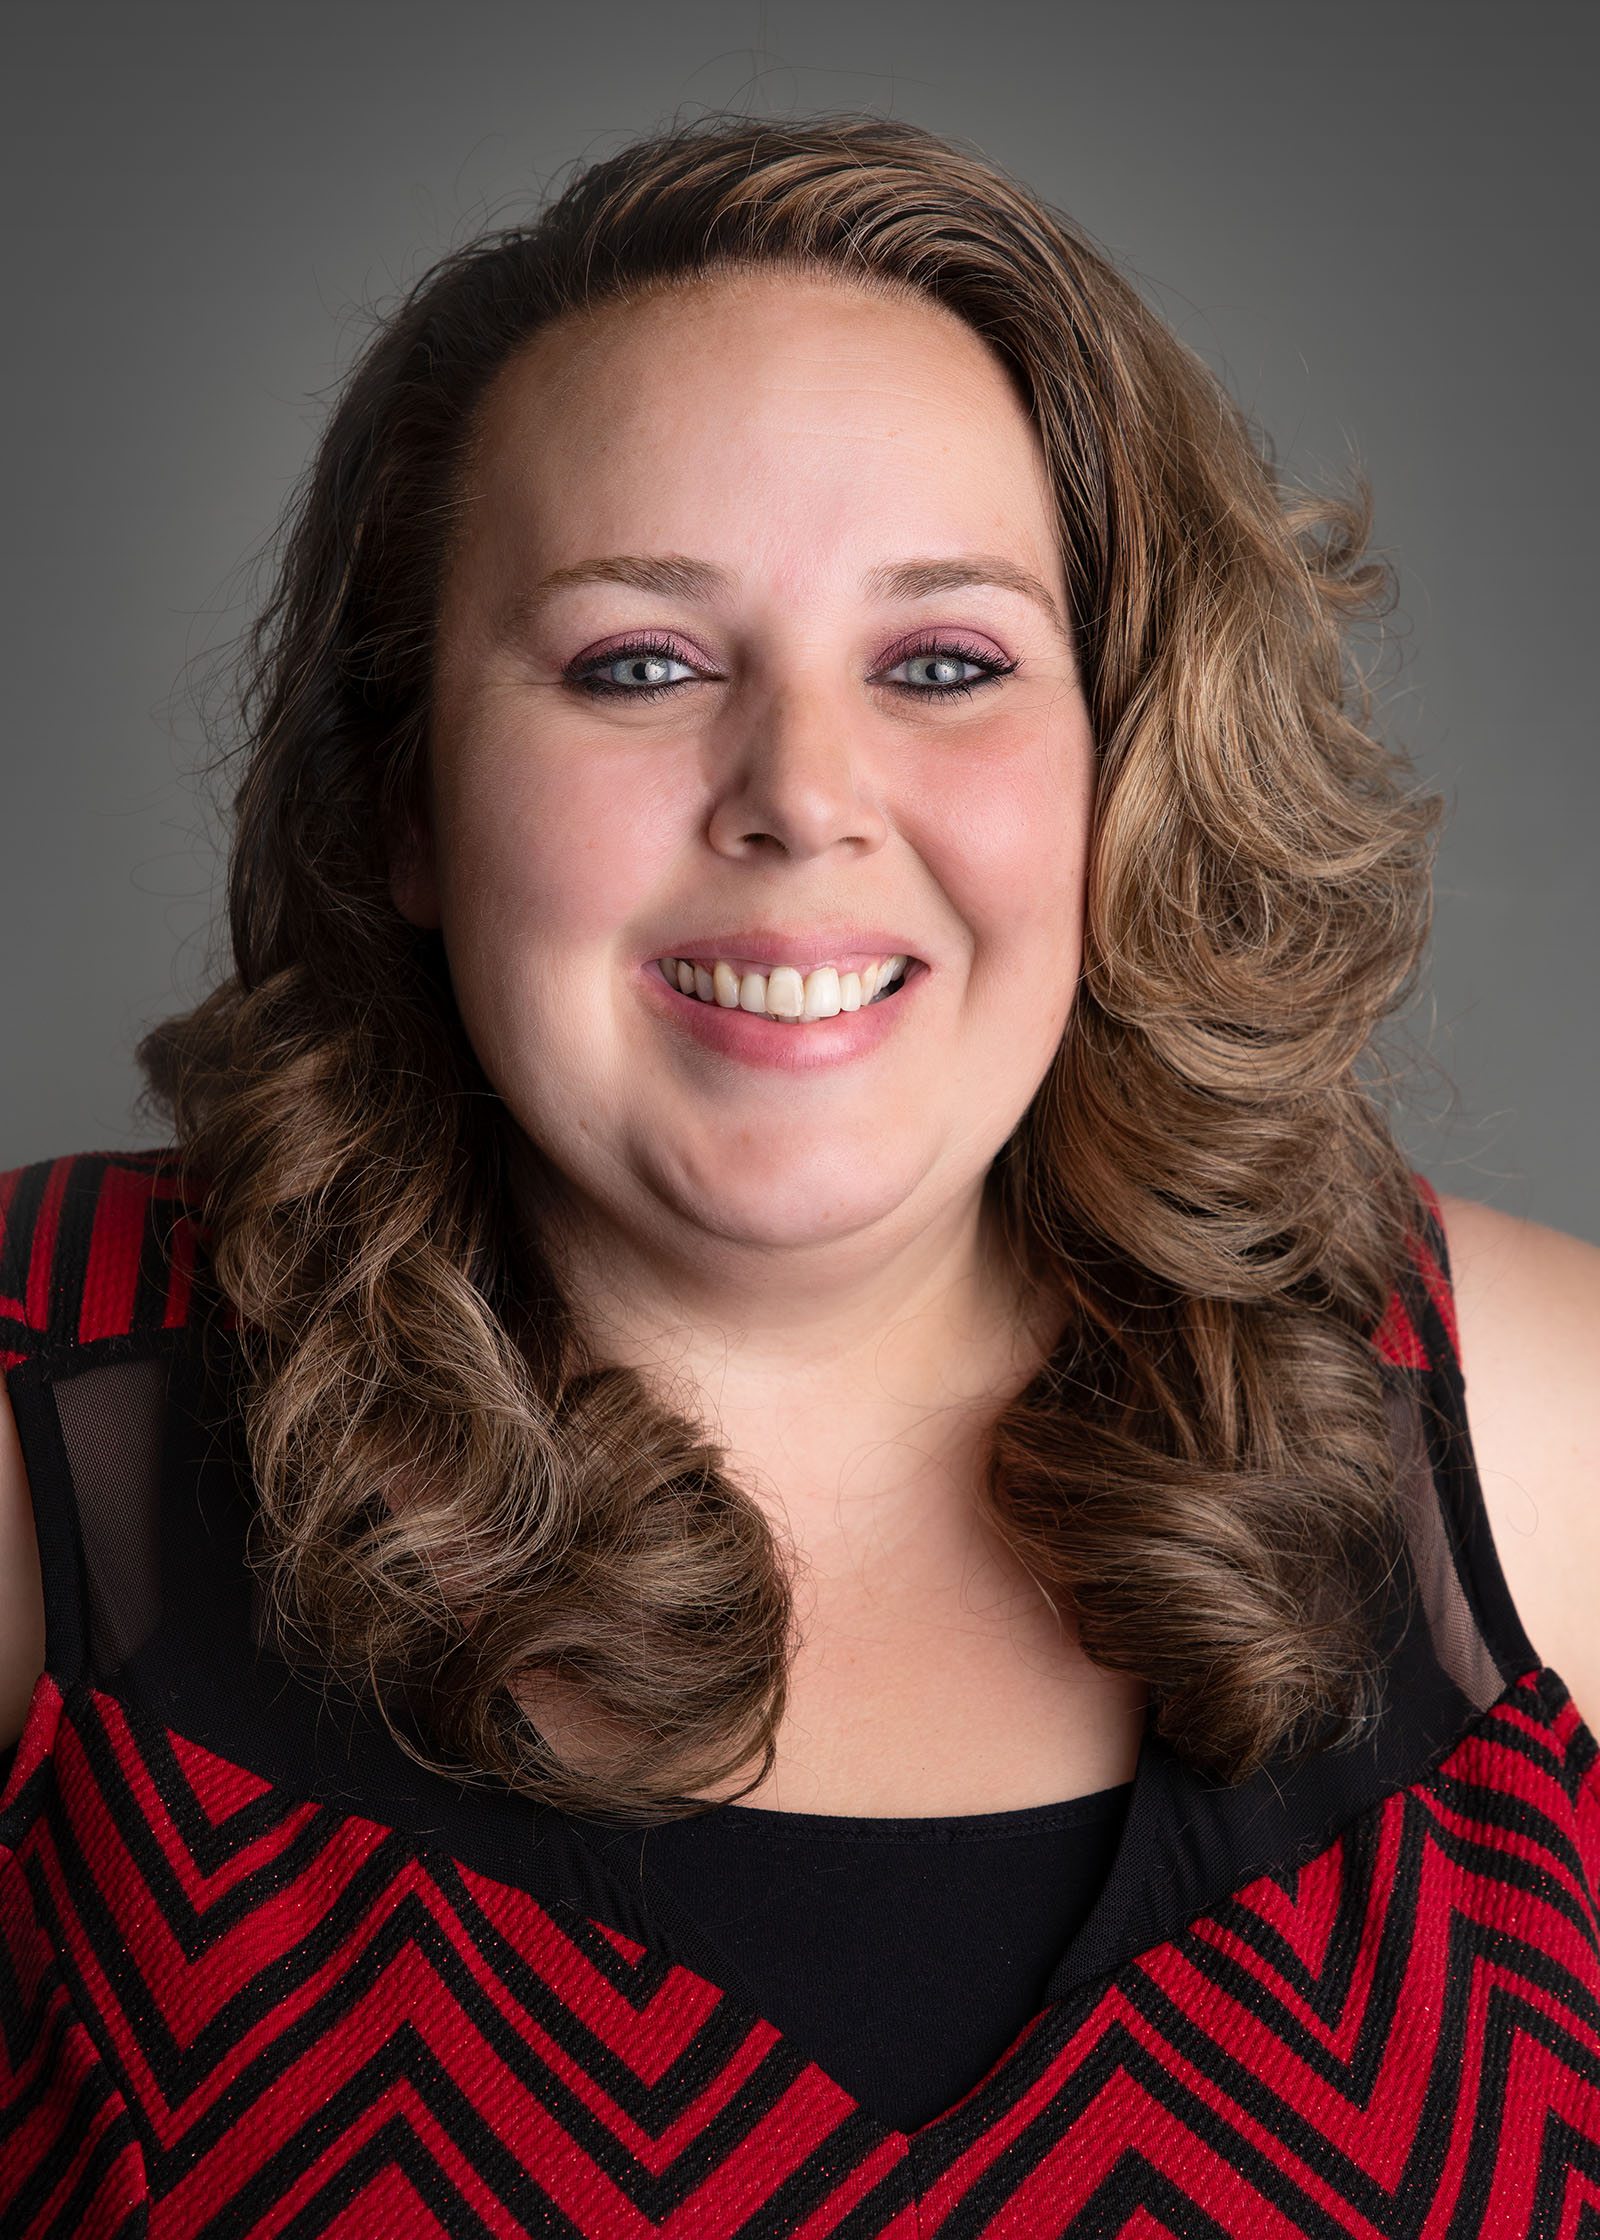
x,y
780,1215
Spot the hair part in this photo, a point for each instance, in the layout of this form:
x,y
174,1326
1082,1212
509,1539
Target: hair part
x,y
545,1575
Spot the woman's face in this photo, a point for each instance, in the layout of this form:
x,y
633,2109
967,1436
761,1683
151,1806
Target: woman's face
x,y
753,660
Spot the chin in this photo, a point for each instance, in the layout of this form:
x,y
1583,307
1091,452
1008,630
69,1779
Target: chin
x,y
780,1210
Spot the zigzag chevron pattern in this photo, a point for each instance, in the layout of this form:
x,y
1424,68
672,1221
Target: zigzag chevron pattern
x,y
225,2012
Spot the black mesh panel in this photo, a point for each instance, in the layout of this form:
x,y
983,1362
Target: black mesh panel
x,y
112,1420
1457,1642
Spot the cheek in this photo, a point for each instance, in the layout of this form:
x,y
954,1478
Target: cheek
x,y
1010,843
547,856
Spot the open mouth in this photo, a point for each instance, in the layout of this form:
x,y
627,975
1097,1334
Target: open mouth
x,y
783,992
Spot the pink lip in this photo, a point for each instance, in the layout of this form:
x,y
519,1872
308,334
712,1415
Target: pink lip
x,y
848,949
757,1041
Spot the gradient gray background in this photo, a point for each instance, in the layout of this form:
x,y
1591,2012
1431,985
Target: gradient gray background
x,y
1375,219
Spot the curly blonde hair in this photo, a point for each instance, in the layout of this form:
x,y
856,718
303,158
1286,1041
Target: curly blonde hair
x,y
455,1504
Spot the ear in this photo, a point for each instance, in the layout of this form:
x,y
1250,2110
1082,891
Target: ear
x,y
413,877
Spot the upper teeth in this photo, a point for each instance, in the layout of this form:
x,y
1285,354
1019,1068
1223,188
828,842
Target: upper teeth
x,y
784,992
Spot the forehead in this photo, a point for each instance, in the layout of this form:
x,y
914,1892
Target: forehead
x,y
792,403
751,324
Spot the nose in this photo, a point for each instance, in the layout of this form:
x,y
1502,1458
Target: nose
x,y
794,786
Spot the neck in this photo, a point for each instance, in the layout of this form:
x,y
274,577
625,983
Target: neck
x,y
854,1393
840,1378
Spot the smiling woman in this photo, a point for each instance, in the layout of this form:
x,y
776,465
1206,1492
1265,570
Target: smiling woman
x,y
783,1462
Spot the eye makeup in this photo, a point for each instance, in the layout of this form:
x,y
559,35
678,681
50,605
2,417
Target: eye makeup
x,y
652,655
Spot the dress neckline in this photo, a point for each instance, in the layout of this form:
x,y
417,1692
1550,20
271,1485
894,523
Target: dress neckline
x,y
949,1827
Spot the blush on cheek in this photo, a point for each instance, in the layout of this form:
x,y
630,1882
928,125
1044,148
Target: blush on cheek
x,y
1010,847
558,847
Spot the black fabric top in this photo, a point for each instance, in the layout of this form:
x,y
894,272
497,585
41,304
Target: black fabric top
x,y
141,1461
905,1954
144,1506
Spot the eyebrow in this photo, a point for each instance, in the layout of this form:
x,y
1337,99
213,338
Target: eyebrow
x,y
923,579
673,575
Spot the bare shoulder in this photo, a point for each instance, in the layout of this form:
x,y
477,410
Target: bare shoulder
x,y
1529,1305
21,1594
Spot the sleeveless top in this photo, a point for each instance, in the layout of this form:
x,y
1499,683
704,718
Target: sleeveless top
x,y
261,1974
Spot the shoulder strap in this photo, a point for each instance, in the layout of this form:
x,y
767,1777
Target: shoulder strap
x,y
1478,1637
97,1263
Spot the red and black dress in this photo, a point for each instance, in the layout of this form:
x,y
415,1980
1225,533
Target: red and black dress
x,y
260,1974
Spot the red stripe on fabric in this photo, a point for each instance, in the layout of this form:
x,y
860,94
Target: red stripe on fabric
x,y
808,2114
388,2202
1096,2141
57,2081
1265,2089
115,1245
904,2225
630,1951
679,2010
234,2165
218,1786
36,1312
194,1993
1396,1337
290,1908
1058,2185
36,1742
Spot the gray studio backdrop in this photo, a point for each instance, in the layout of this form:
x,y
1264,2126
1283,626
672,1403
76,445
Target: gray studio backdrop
x,y
1376,219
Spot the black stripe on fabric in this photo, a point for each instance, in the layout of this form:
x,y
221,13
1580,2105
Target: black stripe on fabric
x,y
655,2108
402,2060
69,1265
1562,2150
197,1929
153,1279
1496,1862
1510,2017
16,1241
819,2177
71,2125
1329,1998
395,2146
71,2219
873,2213
180,2071
1475,1953
33,2030
1116,2053
1133,2186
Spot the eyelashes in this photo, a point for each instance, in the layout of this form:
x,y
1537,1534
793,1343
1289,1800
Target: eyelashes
x,y
944,652
643,656
652,659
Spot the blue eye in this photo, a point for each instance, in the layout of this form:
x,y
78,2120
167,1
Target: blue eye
x,y
944,672
938,671
638,672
